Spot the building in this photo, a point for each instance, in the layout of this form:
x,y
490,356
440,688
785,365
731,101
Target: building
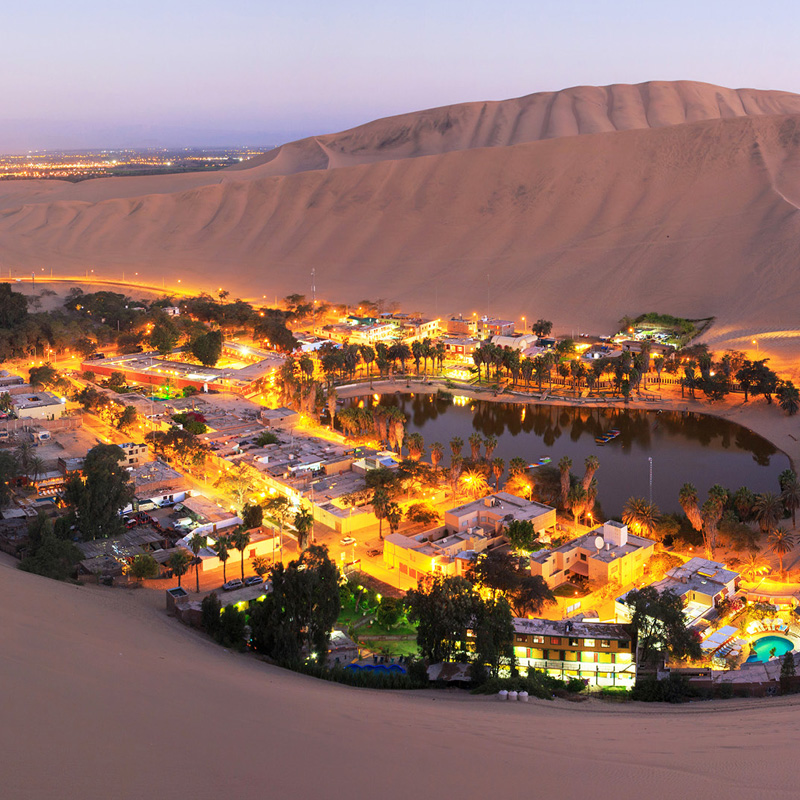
x,y
608,554
279,417
241,370
436,551
172,311
458,326
38,405
7,380
134,454
599,653
521,343
490,326
263,542
155,485
460,348
702,584
493,513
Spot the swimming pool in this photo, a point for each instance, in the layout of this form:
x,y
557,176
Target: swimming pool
x,y
764,646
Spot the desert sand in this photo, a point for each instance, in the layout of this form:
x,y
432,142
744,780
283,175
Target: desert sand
x,y
106,697
579,206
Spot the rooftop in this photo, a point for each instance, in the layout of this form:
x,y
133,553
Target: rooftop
x,y
587,542
577,630
37,400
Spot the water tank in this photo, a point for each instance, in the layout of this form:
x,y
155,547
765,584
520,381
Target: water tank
x,y
502,695
522,697
512,695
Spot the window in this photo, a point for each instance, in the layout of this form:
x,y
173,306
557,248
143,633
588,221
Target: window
x,y
623,645
587,656
574,642
537,653
605,658
605,643
583,556
571,655
588,642
554,655
520,639
538,639
555,640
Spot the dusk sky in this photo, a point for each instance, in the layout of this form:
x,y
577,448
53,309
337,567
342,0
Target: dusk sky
x,y
90,73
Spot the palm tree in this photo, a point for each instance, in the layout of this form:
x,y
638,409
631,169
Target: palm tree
x,y
260,565
790,495
240,538
331,401
456,443
223,554
475,442
516,466
437,453
789,398
592,464
640,515
380,506
35,468
489,443
577,497
564,465
416,446
519,484
178,562
687,497
781,542
197,542
304,525
767,509
475,483
754,567
394,515
280,509
711,513
498,465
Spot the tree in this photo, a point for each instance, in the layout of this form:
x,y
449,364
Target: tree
x,y
260,565
787,665
542,327
444,609
51,557
789,401
437,453
164,336
501,573
304,524
380,506
105,490
116,381
178,562
498,466
266,437
493,632
239,540
8,471
456,443
143,566
519,484
394,515
301,610
197,542
564,466
790,494
223,554
687,497
416,446
657,617
252,516
781,542
127,419
207,348
521,535
577,500
389,612
475,442
474,481
754,567
591,464
768,510
237,482
641,515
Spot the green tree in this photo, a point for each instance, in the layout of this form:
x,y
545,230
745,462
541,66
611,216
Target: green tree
x,y
641,515
789,399
768,510
143,566
564,466
239,539
105,490
210,611
178,562
493,631
164,336
223,554
260,565
252,516
53,558
207,348
304,525
790,494
781,542
394,515
657,617
266,437
503,574
522,536
444,608
380,506
280,509
389,612
197,542
127,419
788,669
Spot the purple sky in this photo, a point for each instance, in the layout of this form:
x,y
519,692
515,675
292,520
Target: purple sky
x,y
174,72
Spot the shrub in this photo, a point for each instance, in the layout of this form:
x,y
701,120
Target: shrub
x,y
210,610
265,438
231,630
675,689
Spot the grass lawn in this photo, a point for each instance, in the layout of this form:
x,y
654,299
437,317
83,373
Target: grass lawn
x,y
569,590
374,629
403,647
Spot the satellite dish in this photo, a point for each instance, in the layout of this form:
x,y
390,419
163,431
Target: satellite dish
x,y
598,542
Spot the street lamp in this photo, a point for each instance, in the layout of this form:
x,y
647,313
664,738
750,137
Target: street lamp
x,y
755,342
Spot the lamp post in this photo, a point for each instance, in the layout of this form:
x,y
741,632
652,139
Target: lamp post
x,y
650,459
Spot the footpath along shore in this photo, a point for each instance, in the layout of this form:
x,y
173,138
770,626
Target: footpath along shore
x,y
767,420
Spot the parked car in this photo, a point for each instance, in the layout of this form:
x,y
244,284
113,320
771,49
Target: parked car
x,y
231,585
374,553
253,580
347,541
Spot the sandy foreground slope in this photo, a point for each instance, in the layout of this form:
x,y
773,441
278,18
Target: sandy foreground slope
x,y
579,206
104,696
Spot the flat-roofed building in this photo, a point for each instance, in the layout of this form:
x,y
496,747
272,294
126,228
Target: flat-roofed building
x,y
599,653
134,454
38,405
497,510
607,554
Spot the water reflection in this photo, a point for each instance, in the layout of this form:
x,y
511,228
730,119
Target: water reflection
x,y
685,446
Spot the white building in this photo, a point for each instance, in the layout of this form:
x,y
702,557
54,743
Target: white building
x,y
39,405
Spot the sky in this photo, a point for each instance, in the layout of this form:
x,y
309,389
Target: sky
x,y
259,72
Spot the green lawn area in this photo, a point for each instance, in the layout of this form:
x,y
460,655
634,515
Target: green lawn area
x,y
568,590
403,628
392,647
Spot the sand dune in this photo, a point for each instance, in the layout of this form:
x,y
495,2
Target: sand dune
x,y
696,219
545,115
580,206
103,696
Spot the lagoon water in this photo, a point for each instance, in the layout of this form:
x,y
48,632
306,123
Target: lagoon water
x,y
696,448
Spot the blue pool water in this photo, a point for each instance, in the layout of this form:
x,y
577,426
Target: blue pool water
x,y
764,646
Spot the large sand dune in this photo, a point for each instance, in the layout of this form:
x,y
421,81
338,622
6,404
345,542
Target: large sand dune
x,y
579,206
105,697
